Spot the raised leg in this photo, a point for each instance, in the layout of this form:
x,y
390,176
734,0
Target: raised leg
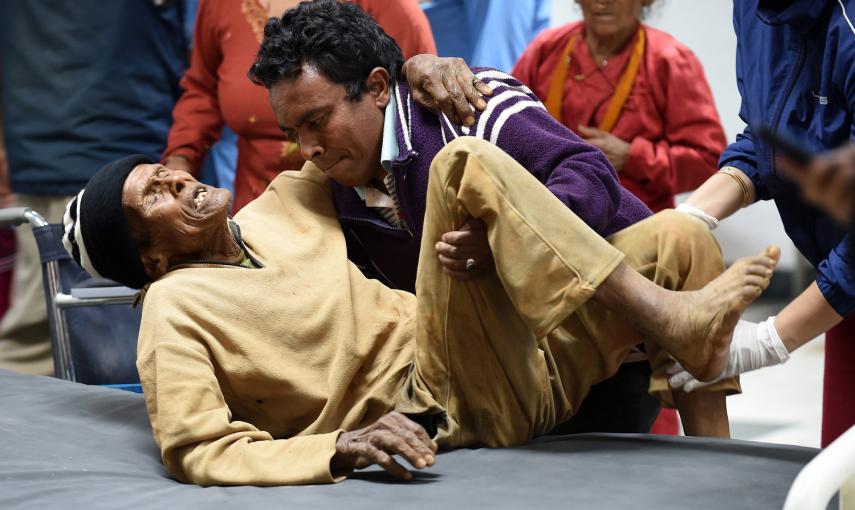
x,y
478,354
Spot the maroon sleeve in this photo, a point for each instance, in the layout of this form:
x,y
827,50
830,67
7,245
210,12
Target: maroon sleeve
x,y
197,119
688,153
405,22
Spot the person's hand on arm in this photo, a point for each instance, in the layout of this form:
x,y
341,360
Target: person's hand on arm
x,y
447,85
393,434
465,253
615,149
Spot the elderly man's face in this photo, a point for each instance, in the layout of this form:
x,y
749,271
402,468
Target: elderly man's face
x,y
340,136
177,214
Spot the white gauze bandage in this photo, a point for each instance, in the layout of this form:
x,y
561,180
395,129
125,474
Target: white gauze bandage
x,y
691,210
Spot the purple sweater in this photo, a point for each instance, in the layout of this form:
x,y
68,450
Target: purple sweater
x,y
515,120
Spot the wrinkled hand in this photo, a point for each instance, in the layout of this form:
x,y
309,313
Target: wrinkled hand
x,y
446,84
468,242
614,148
828,182
178,162
393,434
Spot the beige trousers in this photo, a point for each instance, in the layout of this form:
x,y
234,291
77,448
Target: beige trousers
x,y
509,355
24,336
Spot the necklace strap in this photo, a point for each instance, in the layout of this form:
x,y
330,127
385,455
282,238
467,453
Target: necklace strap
x,y
555,94
627,80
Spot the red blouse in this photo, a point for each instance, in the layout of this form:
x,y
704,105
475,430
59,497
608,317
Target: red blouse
x,y
669,118
217,91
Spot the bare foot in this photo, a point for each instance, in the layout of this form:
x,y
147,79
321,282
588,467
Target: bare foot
x,y
697,326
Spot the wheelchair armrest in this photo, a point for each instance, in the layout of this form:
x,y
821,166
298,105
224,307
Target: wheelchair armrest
x,y
95,282
103,292
14,216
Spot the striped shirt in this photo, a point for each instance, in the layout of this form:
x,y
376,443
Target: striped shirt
x,y
386,205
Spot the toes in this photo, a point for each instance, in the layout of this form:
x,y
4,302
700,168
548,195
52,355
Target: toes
x,y
773,252
762,270
751,292
757,281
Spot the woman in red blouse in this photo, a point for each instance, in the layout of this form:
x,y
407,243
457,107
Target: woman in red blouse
x,y
217,91
664,135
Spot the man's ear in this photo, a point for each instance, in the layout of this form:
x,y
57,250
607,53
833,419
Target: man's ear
x,y
155,264
378,86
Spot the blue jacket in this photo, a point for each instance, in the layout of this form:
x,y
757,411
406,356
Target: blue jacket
x,y
795,70
486,33
86,82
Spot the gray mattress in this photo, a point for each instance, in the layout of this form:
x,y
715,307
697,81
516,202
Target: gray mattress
x,y
66,445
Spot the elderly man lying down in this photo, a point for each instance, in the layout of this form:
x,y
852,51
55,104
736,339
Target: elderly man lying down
x,y
267,357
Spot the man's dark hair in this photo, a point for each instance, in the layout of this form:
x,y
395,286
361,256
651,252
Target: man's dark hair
x,y
338,38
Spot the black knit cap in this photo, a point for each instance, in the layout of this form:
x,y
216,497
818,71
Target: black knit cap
x,y
96,233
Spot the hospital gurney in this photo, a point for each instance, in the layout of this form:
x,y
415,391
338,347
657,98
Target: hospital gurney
x,y
93,325
67,445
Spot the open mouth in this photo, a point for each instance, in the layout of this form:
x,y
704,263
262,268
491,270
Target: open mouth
x,y
199,197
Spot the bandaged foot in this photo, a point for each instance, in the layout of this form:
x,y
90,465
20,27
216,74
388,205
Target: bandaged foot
x,y
754,346
697,326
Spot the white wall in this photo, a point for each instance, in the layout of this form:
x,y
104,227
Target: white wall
x,y
705,26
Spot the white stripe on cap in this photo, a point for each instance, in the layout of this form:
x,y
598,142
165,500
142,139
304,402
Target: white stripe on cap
x,y
69,225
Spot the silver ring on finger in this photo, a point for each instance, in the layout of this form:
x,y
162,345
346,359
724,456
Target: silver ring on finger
x,y
471,265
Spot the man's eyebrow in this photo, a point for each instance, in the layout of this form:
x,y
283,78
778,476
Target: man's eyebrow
x,y
309,114
303,119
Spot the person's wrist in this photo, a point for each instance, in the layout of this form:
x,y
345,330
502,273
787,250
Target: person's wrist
x,y
623,154
409,62
710,221
776,343
178,162
339,463
742,180
177,157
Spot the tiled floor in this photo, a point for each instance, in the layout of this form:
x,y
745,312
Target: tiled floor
x,y
781,404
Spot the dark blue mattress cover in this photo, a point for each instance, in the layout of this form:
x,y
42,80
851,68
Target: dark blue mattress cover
x,y
66,445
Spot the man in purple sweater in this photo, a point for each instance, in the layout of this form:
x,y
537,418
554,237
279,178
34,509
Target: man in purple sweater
x,y
379,161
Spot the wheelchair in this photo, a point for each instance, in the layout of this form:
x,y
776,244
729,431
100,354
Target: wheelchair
x,y
93,321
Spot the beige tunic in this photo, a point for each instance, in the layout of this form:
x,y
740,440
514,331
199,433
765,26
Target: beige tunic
x,y
232,359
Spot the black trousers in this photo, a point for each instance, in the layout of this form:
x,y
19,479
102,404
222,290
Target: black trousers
x,y
619,404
